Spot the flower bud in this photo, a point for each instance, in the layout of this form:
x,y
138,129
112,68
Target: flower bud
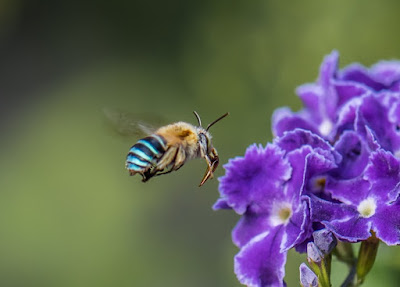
x,y
319,263
314,255
324,240
307,276
366,257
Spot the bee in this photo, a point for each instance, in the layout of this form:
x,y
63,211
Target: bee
x,y
170,147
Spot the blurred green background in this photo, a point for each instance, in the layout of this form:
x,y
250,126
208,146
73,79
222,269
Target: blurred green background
x,y
69,213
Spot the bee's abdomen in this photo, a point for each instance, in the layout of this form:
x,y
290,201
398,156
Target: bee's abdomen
x,y
145,153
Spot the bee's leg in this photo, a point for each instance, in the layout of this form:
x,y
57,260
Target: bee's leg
x,y
168,160
168,157
212,161
147,175
179,159
165,162
164,172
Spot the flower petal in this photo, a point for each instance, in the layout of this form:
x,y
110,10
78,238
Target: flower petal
x,y
355,154
328,69
372,114
395,87
298,229
221,204
310,95
383,172
360,74
386,224
347,90
256,179
284,119
350,191
342,220
347,114
325,210
297,138
351,229
260,262
249,225
297,159
386,72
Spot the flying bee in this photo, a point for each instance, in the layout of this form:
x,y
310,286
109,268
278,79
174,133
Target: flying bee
x,y
170,146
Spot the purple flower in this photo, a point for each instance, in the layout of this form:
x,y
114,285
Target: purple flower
x,y
260,262
375,115
384,75
365,203
333,164
322,101
355,151
351,99
243,187
268,188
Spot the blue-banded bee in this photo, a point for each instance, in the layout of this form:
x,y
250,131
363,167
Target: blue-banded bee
x,y
169,147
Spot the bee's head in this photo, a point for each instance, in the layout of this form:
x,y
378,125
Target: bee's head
x,y
207,151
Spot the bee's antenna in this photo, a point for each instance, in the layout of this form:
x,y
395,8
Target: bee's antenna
x,y
197,117
217,120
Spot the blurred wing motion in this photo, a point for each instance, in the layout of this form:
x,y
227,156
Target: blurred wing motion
x,y
127,124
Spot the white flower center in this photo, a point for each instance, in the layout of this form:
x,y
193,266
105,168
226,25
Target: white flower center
x,y
367,207
325,127
397,153
281,213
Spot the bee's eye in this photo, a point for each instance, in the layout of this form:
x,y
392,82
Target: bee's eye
x,y
202,139
205,142
208,145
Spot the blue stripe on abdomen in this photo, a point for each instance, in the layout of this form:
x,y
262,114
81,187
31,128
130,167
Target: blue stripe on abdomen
x,y
132,158
157,143
149,146
140,152
145,153
133,167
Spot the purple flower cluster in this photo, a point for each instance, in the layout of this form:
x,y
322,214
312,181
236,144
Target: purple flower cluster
x,y
334,164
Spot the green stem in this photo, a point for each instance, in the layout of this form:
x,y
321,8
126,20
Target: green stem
x,y
326,269
321,265
348,282
322,273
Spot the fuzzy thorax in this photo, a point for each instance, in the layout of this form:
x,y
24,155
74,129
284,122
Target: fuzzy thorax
x,y
183,134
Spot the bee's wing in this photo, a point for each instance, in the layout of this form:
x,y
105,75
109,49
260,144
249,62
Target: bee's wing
x,y
128,124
